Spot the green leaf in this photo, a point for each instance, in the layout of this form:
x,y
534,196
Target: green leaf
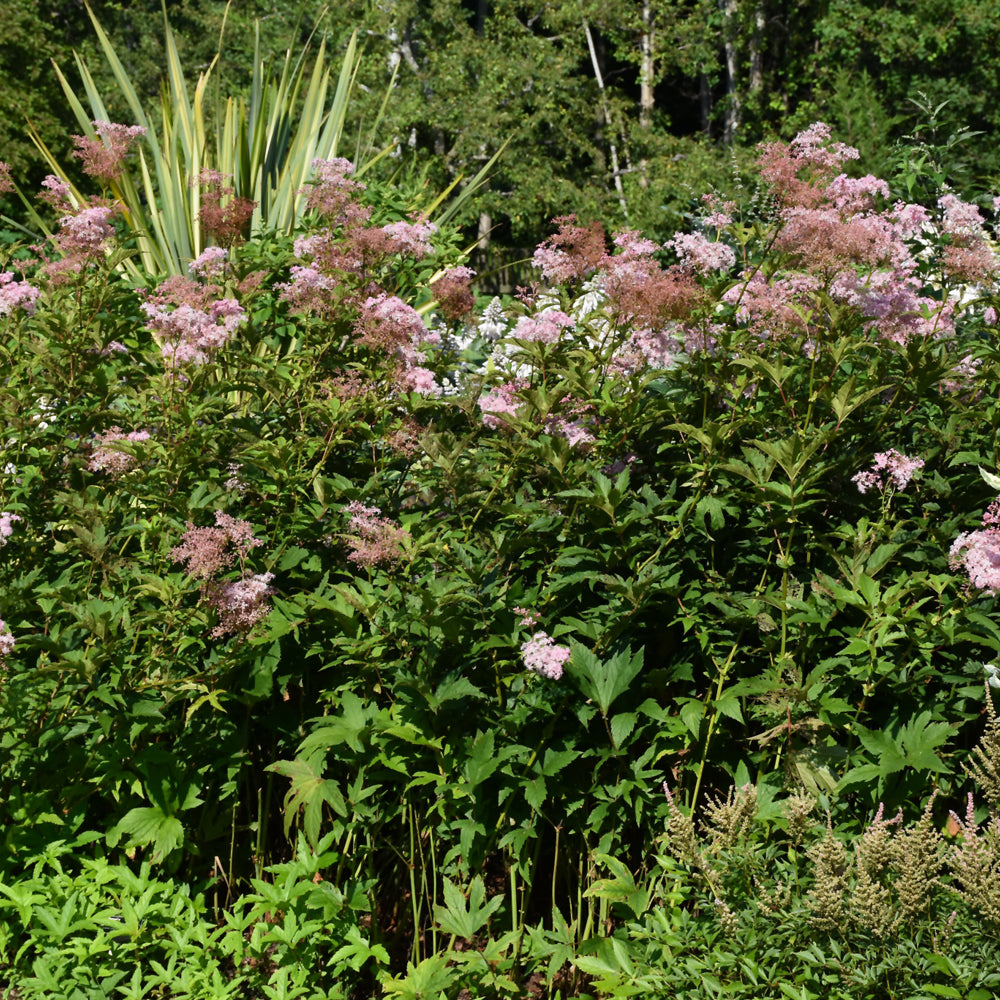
x,y
603,681
149,825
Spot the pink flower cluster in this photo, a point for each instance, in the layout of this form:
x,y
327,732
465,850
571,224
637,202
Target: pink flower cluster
x,y
210,263
106,457
500,402
104,156
196,326
978,552
375,541
82,237
453,294
332,188
16,294
207,552
572,252
890,468
7,525
697,251
240,604
7,642
542,656
412,238
544,327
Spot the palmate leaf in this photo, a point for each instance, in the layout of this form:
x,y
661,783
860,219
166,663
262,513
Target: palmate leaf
x,y
308,793
149,825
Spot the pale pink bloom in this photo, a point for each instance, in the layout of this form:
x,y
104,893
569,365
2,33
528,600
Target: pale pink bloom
x,y
909,219
105,457
961,218
240,604
390,324
544,327
16,295
208,551
526,618
376,541
104,156
332,189
575,432
542,656
851,195
978,553
499,403
421,380
572,252
6,181
210,263
814,147
190,333
56,192
7,641
411,237
633,245
890,468
7,520
308,291
704,255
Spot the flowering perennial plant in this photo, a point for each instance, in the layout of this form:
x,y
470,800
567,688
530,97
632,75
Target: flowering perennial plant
x,y
115,461
104,156
7,642
978,552
374,540
890,469
16,295
542,656
7,521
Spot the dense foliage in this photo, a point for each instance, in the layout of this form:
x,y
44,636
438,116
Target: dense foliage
x,y
356,639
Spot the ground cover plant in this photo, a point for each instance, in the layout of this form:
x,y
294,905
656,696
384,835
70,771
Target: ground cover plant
x,y
635,635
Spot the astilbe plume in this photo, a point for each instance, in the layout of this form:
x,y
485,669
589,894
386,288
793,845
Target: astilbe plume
x,y
984,767
975,862
542,656
106,457
6,181
374,540
730,818
829,857
103,157
873,854
978,552
917,862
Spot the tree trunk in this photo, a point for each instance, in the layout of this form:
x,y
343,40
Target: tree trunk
x,y
730,34
647,72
